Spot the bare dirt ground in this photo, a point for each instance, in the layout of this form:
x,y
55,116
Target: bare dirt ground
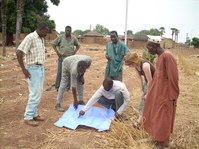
x,y
13,98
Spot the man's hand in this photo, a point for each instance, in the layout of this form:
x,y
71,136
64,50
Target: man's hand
x,y
75,104
108,58
81,113
26,73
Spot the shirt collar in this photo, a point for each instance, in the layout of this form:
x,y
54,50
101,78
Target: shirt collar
x,y
36,34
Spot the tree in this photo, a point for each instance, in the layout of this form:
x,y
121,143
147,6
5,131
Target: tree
x,y
34,12
153,32
129,32
86,31
101,29
162,31
195,42
3,24
172,32
20,6
78,32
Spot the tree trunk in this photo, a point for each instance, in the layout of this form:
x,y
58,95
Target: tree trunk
x,y
4,25
20,7
9,39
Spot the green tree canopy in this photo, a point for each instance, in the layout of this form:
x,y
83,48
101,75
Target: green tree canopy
x,y
153,31
195,42
35,11
101,29
162,30
129,32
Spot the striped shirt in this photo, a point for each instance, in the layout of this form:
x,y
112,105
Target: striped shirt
x,y
33,47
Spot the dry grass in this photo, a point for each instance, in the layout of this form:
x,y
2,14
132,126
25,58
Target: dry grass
x,y
122,134
186,131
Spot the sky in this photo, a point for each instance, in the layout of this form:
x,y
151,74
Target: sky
x,y
142,14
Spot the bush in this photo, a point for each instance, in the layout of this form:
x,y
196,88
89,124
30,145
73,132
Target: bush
x,y
195,42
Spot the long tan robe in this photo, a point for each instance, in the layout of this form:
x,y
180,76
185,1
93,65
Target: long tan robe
x,y
160,105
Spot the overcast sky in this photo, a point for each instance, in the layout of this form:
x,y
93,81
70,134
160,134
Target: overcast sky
x,y
142,14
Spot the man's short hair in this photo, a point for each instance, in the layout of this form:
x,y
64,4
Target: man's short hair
x,y
114,32
84,64
68,27
42,25
108,81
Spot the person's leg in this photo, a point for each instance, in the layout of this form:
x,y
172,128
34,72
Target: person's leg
x,y
107,103
119,76
80,93
41,89
35,86
141,104
161,145
119,99
64,86
59,73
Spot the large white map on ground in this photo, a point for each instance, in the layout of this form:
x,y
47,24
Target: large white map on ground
x,y
95,117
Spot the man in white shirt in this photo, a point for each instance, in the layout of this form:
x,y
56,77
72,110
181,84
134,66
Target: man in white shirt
x,y
112,94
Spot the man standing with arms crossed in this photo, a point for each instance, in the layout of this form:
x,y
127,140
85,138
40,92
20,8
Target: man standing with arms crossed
x,y
65,43
32,48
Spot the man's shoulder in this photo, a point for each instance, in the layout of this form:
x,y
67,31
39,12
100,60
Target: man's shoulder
x,y
61,36
121,43
118,83
168,54
31,35
109,43
73,36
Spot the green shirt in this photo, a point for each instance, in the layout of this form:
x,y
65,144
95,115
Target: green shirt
x,y
66,45
116,52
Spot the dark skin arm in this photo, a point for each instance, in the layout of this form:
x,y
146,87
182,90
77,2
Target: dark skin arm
x,y
74,90
20,56
75,102
77,48
108,57
55,48
81,79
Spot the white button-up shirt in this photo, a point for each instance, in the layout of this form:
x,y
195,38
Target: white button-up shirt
x,y
33,47
117,86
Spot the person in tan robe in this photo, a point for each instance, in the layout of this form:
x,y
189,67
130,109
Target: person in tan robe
x,y
161,97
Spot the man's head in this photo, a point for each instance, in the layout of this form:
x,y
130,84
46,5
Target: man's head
x,y
107,84
42,29
153,47
114,36
82,66
68,30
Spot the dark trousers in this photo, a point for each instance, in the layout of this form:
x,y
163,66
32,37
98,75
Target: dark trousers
x,y
112,103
